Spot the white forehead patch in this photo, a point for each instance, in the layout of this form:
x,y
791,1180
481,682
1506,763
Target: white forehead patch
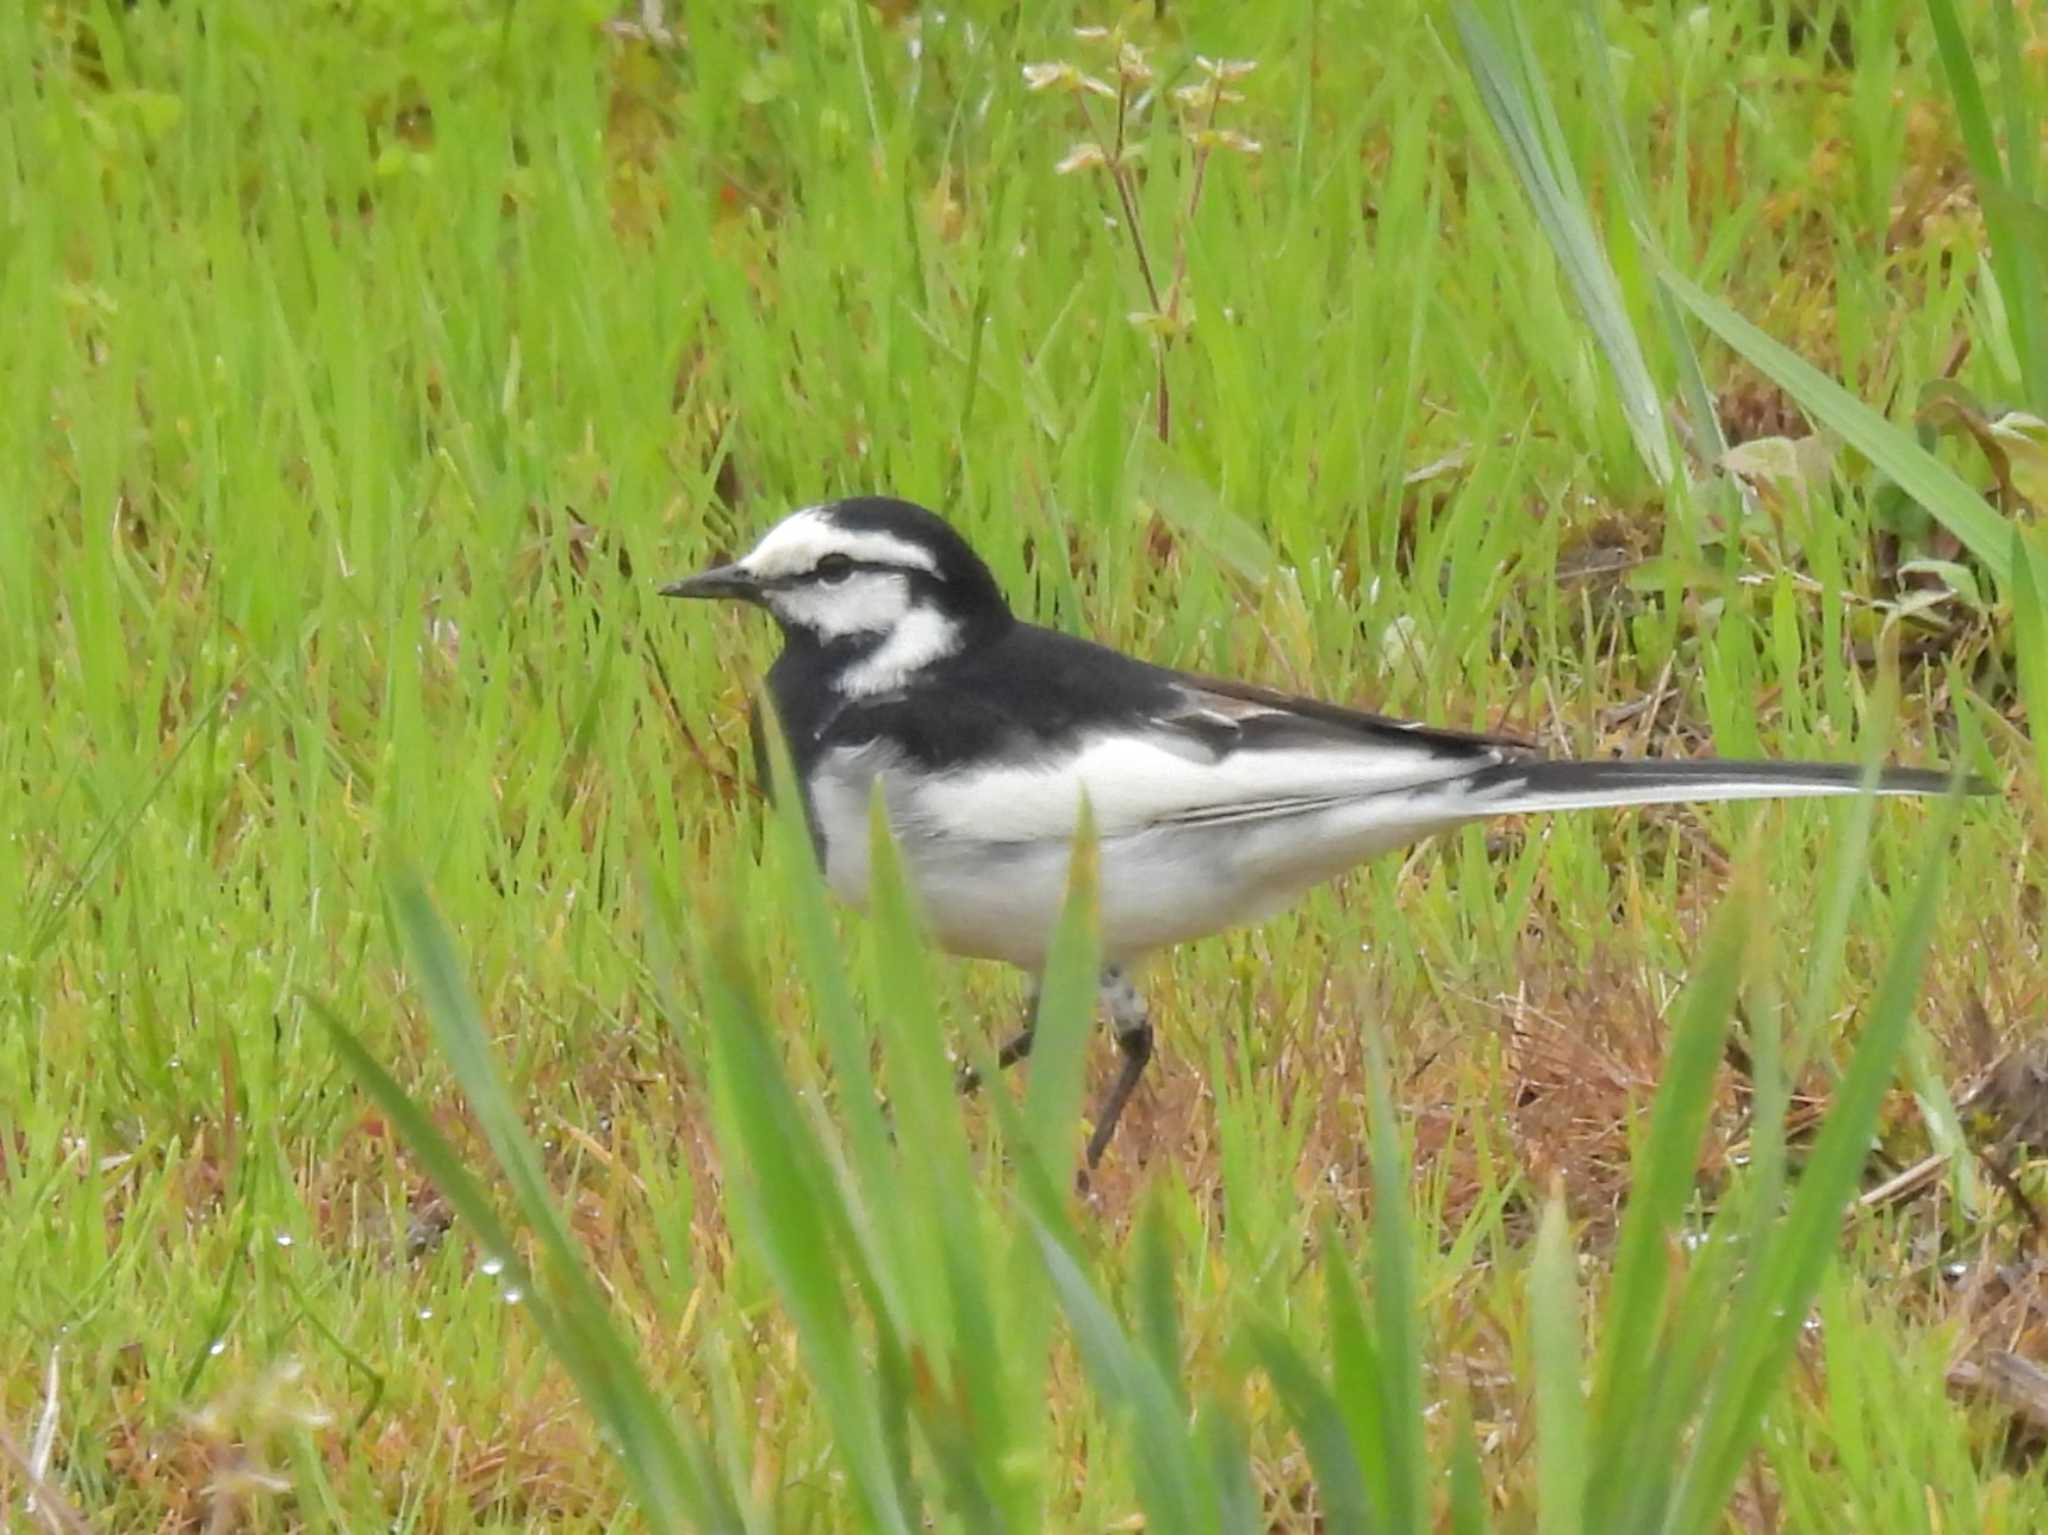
x,y
796,544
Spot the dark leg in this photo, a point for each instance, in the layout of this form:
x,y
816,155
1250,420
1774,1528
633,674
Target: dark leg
x,y
1014,1049
1133,1026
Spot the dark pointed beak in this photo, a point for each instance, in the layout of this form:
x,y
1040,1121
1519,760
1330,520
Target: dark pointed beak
x,y
718,581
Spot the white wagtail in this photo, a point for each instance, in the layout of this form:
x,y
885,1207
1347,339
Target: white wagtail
x,y
1216,803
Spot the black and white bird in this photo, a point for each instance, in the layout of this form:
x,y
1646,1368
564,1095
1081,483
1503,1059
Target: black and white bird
x,y
1216,803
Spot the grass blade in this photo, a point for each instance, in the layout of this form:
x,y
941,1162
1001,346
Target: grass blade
x,y
1158,1320
2030,640
1042,1134
783,1189
1790,1269
872,1233
459,1030
1627,1373
1227,1458
1638,1488
1324,1432
667,1465
2014,260
1357,1368
1166,1469
826,985
1398,1339
946,1270
1558,1345
1468,1493
1066,1013
117,830
1597,70
1515,99
1919,473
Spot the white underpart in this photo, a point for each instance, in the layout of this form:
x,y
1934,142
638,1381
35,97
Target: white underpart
x,y
796,544
920,637
987,852
866,602
1189,846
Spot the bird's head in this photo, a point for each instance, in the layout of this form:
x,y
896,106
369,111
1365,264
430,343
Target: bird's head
x,y
883,588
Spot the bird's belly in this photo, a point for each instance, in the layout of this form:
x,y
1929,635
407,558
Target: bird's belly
x,y
1002,900
998,899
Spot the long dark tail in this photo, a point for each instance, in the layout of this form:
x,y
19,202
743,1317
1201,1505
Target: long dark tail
x,y
1522,786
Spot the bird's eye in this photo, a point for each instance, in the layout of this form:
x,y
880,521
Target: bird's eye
x,y
833,569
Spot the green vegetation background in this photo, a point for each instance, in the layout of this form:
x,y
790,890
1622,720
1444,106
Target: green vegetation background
x,y
368,367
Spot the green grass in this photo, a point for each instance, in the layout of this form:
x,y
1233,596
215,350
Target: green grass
x,y
367,370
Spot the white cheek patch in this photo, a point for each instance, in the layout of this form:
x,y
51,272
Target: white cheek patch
x,y
869,602
795,545
922,637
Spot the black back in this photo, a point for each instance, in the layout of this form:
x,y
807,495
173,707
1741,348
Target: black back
x,y
1032,691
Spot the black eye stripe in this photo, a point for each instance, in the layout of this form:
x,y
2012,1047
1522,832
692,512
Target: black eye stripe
x,y
830,565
